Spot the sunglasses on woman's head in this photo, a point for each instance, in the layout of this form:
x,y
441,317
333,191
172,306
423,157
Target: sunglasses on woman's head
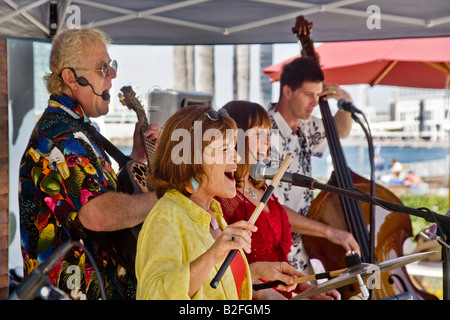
x,y
212,114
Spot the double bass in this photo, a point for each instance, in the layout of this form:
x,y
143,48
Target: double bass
x,y
391,228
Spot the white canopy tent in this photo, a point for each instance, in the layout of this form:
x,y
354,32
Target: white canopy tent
x,y
172,22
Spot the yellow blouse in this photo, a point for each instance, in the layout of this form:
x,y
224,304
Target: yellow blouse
x,y
175,233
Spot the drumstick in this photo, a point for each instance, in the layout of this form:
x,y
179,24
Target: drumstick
x,y
312,277
284,165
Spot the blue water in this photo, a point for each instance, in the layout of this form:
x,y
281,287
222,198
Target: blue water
x,y
354,155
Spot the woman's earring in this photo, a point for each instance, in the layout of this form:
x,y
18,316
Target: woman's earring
x,y
194,184
193,187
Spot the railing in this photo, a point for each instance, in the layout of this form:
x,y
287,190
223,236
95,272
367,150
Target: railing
x,y
431,168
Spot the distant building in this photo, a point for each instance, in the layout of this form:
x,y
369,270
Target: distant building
x,y
424,112
415,114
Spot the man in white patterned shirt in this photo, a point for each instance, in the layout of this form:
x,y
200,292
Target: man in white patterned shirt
x,y
296,132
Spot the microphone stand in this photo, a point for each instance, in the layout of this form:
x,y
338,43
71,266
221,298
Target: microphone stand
x,y
445,245
37,284
442,222
369,138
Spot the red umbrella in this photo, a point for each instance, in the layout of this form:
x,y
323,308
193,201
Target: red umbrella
x,y
419,63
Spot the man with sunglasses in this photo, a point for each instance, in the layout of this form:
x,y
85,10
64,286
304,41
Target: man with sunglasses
x,y
68,188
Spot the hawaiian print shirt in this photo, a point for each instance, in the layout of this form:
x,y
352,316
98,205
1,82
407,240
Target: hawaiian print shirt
x,y
308,140
63,167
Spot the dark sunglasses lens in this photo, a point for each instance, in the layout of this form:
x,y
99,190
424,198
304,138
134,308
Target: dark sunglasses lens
x,y
223,111
106,66
114,65
105,69
213,115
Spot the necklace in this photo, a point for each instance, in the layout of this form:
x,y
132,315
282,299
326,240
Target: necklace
x,y
213,223
251,192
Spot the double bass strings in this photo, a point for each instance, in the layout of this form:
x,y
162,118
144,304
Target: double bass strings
x,y
352,208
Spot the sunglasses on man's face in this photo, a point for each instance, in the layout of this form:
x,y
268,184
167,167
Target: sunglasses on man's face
x,y
105,68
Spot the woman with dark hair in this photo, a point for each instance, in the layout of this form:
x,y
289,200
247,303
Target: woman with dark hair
x,y
273,240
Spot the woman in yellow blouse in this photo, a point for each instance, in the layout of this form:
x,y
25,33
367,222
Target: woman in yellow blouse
x,y
185,239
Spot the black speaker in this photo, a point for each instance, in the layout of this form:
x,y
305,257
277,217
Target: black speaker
x,y
164,103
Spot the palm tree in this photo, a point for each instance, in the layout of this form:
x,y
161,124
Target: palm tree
x,y
205,69
265,60
183,66
241,72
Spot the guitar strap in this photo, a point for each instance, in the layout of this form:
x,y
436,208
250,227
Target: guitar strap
x,y
120,244
113,151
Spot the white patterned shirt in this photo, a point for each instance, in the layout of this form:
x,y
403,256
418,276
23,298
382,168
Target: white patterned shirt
x,y
309,140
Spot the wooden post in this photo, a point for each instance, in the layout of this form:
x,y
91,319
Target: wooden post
x,y
4,172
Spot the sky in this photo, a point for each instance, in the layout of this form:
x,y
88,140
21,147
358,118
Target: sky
x,y
148,67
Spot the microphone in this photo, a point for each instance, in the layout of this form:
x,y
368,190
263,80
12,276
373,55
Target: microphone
x,y
27,289
82,81
347,106
260,170
105,94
